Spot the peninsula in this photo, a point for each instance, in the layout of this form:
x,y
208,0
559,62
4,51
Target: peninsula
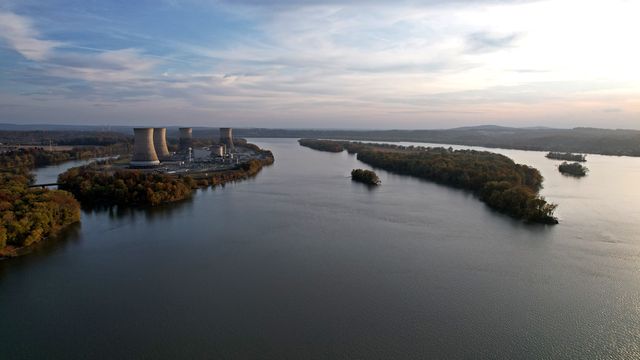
x,y
495,179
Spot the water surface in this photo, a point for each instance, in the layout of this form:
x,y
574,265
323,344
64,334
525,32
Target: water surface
x,y
302,263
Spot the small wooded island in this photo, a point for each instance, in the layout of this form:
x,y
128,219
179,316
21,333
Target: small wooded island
x,y
495,179
567,156
573,169
365,176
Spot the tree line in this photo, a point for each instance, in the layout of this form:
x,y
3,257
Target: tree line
x,y
30,158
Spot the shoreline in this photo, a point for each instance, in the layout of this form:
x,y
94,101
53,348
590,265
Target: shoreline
x,y
185,186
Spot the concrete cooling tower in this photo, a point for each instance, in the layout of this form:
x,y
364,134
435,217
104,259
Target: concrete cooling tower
x,y
226,138
160,143
186,138
144,153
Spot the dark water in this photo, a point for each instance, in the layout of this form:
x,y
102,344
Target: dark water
x,y
302,263
49,174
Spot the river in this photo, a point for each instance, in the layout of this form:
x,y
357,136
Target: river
x,y
302,263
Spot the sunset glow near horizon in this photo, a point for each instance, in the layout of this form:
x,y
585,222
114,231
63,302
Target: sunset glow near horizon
x,y
321,64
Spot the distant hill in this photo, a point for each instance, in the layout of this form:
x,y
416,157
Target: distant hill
x,y
485,127
54,127
580,140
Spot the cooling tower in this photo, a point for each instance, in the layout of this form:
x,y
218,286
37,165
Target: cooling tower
x,y
144,153
186,139
226,138
160,143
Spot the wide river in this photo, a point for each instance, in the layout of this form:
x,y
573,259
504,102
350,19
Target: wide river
x,y
301,263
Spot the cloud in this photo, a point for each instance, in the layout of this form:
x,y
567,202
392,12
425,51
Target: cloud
x,y
302,3
482,42
20,34
357,62
106,66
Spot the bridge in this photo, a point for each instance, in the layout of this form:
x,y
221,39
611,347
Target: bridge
x,y
43,185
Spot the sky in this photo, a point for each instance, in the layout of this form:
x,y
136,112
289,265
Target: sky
x,y
376,64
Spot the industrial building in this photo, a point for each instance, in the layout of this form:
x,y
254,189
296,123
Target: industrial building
x,y
186,139
226,138
144,152
160,144
218,150
150,149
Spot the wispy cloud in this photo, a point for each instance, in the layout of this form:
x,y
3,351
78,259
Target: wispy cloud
x,y
480,42
18,32
421,63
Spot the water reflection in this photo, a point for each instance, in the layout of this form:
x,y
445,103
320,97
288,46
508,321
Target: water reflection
x,y
133,213
68,236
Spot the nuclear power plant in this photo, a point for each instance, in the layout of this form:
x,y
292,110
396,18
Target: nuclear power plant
x,y
151,150
186,139
144,153
226,138
218,150
160,144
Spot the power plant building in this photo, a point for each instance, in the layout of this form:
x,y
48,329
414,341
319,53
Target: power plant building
x,y
186,139
144,152
218,150
160,143
226,138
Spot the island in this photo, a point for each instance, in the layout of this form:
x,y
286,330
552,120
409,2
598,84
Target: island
x,y
573,169
106,185
495,179
567,156
365,176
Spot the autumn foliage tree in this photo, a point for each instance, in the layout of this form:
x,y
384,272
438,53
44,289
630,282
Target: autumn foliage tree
x,y
28,215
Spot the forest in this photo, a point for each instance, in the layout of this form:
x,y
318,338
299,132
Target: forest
x,y
124,187
495,179
30,158
28,215
322,145
46,138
